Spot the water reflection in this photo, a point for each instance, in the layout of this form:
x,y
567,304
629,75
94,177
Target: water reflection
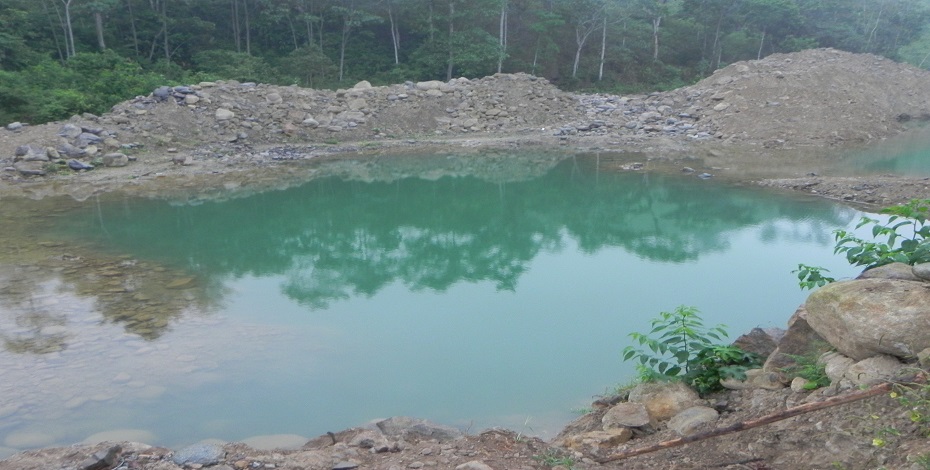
x,y
452,293
335,239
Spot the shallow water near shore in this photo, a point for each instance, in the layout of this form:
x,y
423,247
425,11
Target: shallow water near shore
x,y
471,301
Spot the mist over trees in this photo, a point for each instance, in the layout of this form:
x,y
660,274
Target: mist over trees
x,y
62,57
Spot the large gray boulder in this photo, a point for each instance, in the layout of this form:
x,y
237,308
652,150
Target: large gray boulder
x,y
866,317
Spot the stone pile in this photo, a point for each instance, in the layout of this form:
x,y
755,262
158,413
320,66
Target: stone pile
x,y
75,145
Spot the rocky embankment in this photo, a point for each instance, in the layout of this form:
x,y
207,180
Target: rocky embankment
x,y
743,118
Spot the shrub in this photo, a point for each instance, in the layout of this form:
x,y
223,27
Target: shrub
x,y
685,349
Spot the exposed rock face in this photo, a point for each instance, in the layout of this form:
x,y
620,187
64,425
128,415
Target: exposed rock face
x,y
867,317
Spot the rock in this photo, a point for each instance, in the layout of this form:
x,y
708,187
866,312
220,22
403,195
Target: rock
x,y
899,271
362,85
345,465
14,126
30,168
434,93
191,99
70,131
311,123
597,441
873,371
474,465
626,415
835,365
799,385
404,427
923,358
78,165
692,420
429,85
87,139
162,93
69,151
102,460
759,341
31,153
274,98
664,399
722,107
199,454
799,340
223,114
115,160
756,378
922,271
866,317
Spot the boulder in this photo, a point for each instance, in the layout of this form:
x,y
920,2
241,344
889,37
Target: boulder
x,y
835,365
362,85
626,415
664,399
873,371
692,420
429,85
595,442
867,317
799,340
759,341
70,131
199,454
900,271
223,114
31,153
115,160
14,126
30,168
406,428
921,271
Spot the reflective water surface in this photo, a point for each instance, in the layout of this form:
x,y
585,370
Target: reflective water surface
x,y
494,300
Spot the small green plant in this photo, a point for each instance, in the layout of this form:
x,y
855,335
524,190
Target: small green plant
x,y
810,369
810,277
683,348
891,244
554,458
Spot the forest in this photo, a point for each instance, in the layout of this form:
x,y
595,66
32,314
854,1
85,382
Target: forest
x,y
64,57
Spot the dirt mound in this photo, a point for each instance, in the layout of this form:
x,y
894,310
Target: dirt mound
x,y
819,97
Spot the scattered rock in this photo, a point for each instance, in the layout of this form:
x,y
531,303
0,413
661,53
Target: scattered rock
x,y
223,114
873,371
115,160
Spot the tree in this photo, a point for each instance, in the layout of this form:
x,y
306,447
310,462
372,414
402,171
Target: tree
x,y
352,15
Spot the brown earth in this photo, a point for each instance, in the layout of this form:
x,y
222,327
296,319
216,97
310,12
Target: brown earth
x,y
781,122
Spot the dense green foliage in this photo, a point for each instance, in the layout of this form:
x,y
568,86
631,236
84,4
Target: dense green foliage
x,y
680,346
59,57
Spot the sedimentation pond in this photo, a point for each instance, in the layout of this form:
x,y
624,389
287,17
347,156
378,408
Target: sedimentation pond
x,y
497,297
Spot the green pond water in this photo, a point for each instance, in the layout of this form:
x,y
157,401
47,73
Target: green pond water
x,y
471,301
